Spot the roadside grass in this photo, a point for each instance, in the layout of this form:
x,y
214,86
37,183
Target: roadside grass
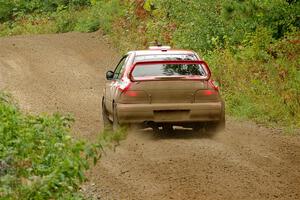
x,y
39,159
266,89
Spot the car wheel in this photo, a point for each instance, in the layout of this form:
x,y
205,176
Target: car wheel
x,y
106,122
221,124
197,128
115,123
211,128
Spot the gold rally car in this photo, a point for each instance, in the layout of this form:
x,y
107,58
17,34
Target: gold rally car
x,y
162,88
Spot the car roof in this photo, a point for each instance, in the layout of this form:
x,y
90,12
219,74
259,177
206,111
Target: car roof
x,y
162,52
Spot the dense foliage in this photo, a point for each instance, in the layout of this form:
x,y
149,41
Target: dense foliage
x,y
38,157
227,21
10,10
58,16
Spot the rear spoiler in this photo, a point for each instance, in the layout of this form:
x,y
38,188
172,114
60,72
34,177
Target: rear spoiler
x,y
198,62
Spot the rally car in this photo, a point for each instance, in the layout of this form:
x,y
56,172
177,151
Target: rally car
x,y
162,88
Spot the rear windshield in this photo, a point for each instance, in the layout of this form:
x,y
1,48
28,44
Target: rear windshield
x,y
159,57
156,71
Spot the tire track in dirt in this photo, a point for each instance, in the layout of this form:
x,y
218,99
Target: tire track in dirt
x,y
65,73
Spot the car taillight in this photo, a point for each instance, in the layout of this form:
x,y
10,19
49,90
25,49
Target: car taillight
x,y
134,96
208,92
207,95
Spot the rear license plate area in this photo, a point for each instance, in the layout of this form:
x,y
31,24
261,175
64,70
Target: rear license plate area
x,y
172,115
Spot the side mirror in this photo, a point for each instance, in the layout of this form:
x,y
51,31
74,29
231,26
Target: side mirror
x,y
109,75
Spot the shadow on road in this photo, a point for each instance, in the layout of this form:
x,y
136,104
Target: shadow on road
x,y
178,133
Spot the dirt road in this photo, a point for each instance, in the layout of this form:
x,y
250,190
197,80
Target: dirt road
x,y
65,73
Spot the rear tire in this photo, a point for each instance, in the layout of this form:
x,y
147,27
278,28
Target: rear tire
x,y
197,128
106,122
213,127
222,122
115,123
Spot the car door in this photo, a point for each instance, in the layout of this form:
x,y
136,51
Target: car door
x,y
111,85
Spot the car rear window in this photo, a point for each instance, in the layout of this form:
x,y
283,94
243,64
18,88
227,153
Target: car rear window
x,y
156,71
159,57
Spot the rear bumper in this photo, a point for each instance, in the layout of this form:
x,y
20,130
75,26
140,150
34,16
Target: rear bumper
x,y
182,112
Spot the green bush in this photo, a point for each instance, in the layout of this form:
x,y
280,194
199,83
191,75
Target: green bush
x,y
87,24
29,17
65,21
107,12
6,10
38,157
203,25
32,24
17,7
279,16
